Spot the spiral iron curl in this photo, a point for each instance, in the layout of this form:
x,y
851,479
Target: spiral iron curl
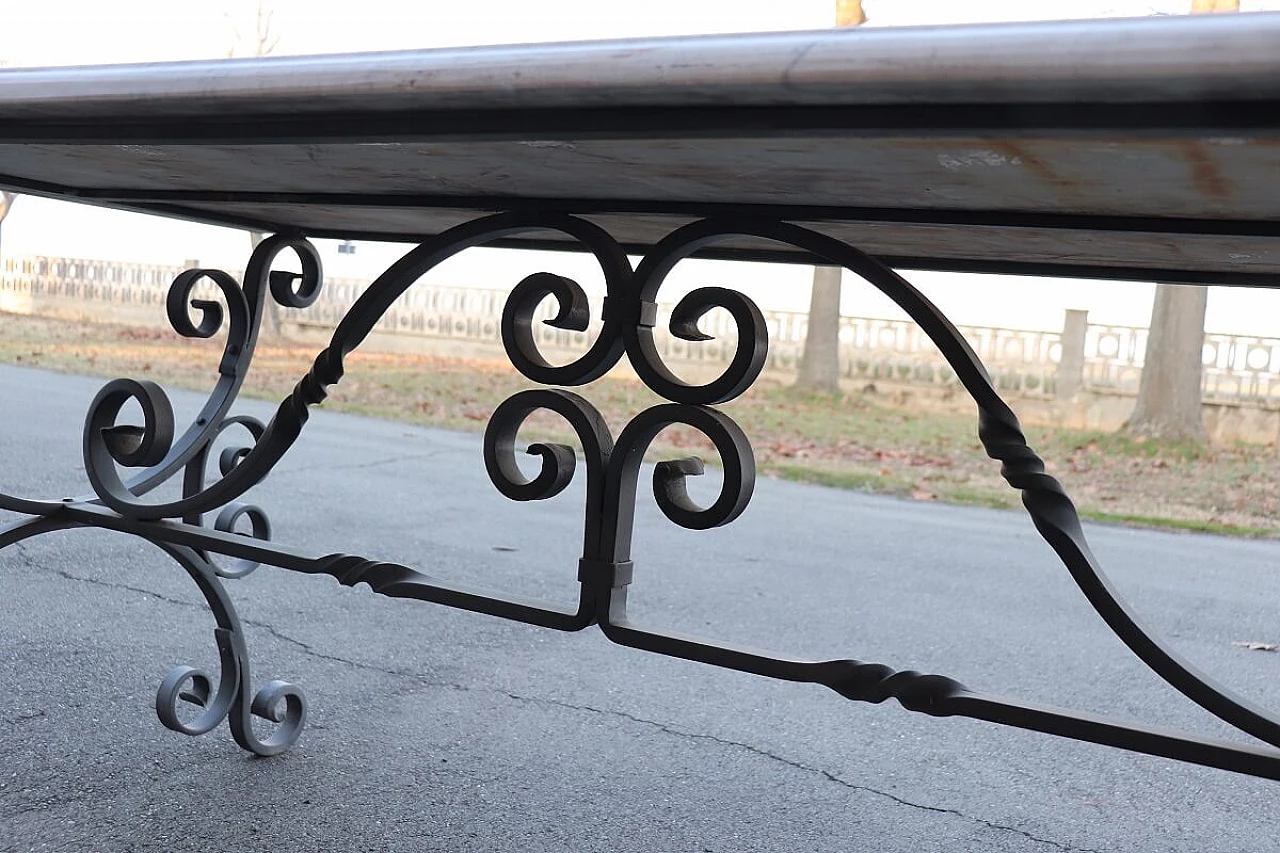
x,y
107,444
628,318
613,469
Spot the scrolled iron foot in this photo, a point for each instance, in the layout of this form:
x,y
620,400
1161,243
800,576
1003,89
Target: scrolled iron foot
x,y
277,702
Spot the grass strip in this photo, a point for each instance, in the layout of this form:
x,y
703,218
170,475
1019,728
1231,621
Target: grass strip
x,y
865,441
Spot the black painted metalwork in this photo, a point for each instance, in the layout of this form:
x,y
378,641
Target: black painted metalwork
x,y
613,469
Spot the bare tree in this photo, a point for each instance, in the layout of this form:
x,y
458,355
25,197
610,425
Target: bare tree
x,y
820,363
1169,402
262,40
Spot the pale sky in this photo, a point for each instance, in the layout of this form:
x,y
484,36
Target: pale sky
x,y
60,32
93,31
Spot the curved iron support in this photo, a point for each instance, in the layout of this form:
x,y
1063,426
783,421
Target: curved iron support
x,y
293,413
1051,510
612,473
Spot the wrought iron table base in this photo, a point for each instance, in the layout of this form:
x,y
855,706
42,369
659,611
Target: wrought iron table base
x,y
612,474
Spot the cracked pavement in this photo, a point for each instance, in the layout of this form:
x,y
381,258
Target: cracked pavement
x,y
437,729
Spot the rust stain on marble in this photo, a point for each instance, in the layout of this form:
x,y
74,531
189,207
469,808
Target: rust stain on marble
x,y
1205,175
1067,190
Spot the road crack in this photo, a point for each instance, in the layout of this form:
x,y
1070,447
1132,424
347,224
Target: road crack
x,y
361,466
312,652
31,563
26,717
764,753
590,709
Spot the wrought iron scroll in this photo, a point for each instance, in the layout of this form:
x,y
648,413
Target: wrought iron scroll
x,y
612,472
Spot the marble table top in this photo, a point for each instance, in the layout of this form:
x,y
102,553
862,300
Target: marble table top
x,y
1143,149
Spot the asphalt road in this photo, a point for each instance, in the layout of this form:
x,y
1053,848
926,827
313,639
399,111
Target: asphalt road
x,y
437,729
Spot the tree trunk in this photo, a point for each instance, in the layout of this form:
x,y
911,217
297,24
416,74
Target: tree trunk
x,y
1169,394
820,364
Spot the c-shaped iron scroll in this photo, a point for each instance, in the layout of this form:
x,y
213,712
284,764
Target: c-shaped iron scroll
x,y
613,471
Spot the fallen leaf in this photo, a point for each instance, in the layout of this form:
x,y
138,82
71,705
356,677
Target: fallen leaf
x,y
1256,647
922,495
505,548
